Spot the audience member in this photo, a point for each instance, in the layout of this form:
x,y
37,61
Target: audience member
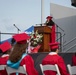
x,y
19,57
6,49
74,59
54,58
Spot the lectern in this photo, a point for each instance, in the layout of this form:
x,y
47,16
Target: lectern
x,y
46,31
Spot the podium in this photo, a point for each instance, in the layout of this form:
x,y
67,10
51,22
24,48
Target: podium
x,y
46,32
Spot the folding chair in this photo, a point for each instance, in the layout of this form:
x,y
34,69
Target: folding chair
x,y
50,67
71,69
2,67
21,69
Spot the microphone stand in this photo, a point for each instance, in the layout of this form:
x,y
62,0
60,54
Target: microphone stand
x,y
17,28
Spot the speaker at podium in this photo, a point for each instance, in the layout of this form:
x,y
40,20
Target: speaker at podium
x,y
46,32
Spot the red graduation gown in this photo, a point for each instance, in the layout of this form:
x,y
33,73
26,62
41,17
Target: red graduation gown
x,y
53,33
29,65
55,59
3,61
74,60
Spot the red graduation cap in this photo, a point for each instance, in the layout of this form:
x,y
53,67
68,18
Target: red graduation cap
x,y
21,38
5,46
49,17
54,45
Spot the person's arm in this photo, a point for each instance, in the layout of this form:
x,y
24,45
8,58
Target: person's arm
x,y
74,60
62,67
30,66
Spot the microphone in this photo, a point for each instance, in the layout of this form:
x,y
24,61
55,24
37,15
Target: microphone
x,y
40,24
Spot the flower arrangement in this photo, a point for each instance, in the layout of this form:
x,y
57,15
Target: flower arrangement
x,y
35,39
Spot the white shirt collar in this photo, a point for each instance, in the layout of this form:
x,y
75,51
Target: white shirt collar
x,y
52,53
5,55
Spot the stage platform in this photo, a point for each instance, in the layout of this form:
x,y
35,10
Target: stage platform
x,y
37,57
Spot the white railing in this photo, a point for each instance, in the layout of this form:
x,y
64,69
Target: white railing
x,y
74,45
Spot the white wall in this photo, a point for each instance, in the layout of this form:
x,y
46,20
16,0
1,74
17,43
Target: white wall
x,y
65,17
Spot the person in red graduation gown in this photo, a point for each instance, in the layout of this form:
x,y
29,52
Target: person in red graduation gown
x,y
6,49
74,59
19,57
54,58
49,22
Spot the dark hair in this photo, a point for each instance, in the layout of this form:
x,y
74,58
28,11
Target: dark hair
x,y
50,23
17,52
1,53
7,52
75,54
53,50
12,41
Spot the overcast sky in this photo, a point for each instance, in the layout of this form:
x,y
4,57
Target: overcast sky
x,y
23,13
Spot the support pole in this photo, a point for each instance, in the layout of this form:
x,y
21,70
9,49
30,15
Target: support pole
x,y
42,11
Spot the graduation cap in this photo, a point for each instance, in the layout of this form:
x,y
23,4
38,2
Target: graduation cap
x,y
5,46
49,17
54,45
21,38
